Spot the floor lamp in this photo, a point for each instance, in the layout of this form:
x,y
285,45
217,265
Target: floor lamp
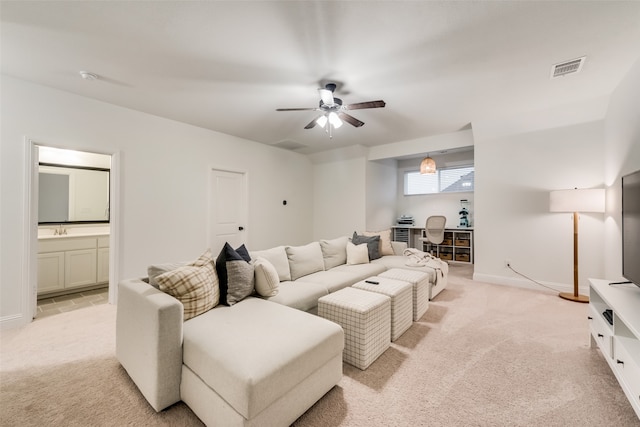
x,y
577,200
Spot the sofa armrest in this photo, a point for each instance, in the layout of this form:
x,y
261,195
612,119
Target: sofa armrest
x,y
149,340
398,247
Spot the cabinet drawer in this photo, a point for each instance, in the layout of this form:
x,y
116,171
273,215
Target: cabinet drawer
x,y
601,331
627,367
66,244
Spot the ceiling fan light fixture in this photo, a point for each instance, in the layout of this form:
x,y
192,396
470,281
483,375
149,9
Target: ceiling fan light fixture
x,y
427,166
322,121
334,120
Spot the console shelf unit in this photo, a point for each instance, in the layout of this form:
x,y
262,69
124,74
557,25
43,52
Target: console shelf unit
x,y
456,247
620,341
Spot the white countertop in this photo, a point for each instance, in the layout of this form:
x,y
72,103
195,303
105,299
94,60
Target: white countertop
x,y
46,233
72,236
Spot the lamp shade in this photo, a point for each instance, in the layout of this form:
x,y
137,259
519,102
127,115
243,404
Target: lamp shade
x,y
322,121
427,166
577,200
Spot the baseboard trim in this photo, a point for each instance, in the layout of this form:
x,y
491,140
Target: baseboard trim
x,y
525,284
12,321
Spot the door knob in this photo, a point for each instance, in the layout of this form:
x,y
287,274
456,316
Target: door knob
x,y
241,228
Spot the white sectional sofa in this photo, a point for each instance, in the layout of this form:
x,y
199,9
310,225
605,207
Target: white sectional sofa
x,y
336,274
261,361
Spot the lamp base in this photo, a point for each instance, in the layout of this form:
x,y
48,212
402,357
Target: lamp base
x,y
571,297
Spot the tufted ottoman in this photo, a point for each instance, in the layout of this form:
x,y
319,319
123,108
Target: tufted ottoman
x,y
401,294
420,282
365,318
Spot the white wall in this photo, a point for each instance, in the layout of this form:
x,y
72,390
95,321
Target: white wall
x,y
621,156
164,181
381,182
514,175
339,202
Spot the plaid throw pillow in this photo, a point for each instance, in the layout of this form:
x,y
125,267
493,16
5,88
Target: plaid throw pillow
x,y
194,285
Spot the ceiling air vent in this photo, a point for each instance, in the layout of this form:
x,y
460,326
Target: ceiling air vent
x,y
567,67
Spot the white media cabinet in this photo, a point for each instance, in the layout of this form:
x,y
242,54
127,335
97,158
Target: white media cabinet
x,y
620,342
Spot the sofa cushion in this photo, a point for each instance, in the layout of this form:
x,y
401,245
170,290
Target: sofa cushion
x,y
266,277
305,259
361,271
270,349
385,247
194,285
334,251
154,270
333,280
357,254
299,295
278,257
228,254
373,244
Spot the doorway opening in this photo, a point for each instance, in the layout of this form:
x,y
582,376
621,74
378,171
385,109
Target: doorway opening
x,y
72,228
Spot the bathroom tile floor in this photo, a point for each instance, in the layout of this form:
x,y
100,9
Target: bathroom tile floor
x,y
63,303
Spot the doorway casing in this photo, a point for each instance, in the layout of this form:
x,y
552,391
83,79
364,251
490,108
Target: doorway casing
x,y
30,231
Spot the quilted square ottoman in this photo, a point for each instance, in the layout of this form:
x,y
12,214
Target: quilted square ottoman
x,y
420,282
365,318
401,294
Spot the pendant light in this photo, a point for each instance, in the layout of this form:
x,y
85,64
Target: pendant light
x,y
427,166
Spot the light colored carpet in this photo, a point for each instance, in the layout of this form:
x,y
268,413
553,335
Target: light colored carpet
x,y
482,355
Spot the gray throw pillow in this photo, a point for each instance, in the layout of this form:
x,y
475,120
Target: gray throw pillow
x,y
240,284
229,254
373,244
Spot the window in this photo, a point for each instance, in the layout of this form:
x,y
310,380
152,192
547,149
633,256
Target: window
x,y
449,180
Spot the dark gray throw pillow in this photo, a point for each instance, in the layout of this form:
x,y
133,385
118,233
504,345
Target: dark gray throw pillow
x,y
229,254
373,244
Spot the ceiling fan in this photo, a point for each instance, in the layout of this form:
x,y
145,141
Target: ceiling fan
x,y
333,110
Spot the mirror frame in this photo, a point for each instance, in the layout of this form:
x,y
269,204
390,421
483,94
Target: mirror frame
x,y
108,171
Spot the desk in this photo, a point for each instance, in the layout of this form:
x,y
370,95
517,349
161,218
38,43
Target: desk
x,y
457,245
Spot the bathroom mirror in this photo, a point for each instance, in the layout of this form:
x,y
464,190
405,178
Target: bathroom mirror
x,y
72,194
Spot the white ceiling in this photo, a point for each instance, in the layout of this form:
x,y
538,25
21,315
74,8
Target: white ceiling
x,y
228,65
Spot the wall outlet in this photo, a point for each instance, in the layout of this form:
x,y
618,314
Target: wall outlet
x,y
507,263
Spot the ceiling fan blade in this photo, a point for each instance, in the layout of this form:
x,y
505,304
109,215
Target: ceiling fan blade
x,y
297,109
350,119
313,122
361,105
327,96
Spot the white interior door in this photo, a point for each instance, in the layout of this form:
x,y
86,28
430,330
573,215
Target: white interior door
x,y
227,209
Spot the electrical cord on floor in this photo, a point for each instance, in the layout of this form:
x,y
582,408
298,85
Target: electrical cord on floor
x,y
529,278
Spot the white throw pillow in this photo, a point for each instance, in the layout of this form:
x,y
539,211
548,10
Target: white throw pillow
x,y
334,252
385,247
267,280
357,254
278,258
304,260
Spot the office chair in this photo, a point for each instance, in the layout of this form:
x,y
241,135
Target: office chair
x,y
434,230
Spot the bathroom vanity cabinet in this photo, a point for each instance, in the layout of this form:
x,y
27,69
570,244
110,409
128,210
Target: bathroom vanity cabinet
x,y
70,262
